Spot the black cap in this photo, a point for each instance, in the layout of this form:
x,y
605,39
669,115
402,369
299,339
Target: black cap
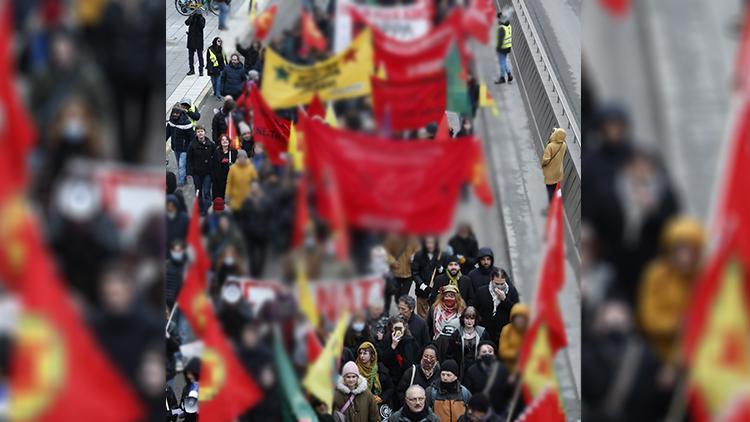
x,y
449,365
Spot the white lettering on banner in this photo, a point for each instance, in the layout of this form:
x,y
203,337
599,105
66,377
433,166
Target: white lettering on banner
x,y
331,296
399,22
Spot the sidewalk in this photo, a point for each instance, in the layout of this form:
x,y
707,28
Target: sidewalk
x,y
195,87
523,197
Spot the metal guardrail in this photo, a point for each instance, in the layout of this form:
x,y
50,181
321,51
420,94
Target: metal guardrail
x,y
548,108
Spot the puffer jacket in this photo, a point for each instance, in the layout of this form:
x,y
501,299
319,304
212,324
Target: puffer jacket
x,y
511,338
180,129
363,408
552,160
233,80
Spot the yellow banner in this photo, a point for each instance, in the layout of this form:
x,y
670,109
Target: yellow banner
x,y
345,75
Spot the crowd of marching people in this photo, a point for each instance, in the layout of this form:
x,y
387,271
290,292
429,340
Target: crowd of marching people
x,y
444,342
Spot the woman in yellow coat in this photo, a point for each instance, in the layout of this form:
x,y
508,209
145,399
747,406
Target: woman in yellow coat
x,y
241,176
552,160
666,285
511,336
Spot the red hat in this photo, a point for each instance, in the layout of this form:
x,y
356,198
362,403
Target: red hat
x,y
218,204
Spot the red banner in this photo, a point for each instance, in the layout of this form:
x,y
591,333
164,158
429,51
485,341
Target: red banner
x,y
411,102
386,184
269,129
422,56
332,297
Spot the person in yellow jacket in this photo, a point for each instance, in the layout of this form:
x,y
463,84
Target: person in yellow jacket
x,y
512,334
666,285
552,160
241,175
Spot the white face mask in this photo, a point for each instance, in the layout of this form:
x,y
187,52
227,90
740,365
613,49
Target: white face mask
x,y
74,131
229,260
177,255
358,326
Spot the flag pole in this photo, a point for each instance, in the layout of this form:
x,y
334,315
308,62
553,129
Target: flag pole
x,y
516,397
678,404
169,320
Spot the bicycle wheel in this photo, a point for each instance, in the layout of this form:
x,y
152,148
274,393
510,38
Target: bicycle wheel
x,y
213,7
182,7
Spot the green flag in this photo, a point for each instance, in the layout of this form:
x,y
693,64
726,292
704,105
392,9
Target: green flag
x,y
294,400
458,94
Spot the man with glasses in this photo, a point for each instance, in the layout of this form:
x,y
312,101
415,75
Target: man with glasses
x,y
414,409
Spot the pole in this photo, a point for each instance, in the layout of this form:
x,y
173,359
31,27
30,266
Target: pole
x,y
678,404
516,396
169,320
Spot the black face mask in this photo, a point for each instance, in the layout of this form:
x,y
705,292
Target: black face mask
x,y
449,386
487,359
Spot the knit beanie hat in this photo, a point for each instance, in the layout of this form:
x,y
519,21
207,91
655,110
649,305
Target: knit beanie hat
x,y
349,368
449,365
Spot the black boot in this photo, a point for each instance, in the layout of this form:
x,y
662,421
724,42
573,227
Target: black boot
x,y
200,72
510,78
500,80
192,72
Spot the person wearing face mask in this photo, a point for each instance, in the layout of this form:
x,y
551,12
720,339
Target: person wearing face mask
x,y
398,350
452,276
446,311
425,373
495,301
448,398
353,398
223,158
377,376
667,285
227,264
512,336
414,407
489,376
174,271
233,77
463,346
358,331
246,139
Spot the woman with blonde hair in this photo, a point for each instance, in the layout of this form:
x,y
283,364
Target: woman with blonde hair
x,y
446,311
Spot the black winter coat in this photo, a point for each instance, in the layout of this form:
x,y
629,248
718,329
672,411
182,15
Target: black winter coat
x,y
180,129
219,124
256,219
418,330
422,269
199,157
250,55
177,227
233,79
220,59
419,378
476,379
220,170
195,23
464,287
174,272
495,323
407,349
480,276
468,248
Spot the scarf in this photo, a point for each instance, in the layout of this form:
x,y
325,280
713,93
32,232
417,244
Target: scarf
x,y
412,416
443,315
495,299
451,280
370,370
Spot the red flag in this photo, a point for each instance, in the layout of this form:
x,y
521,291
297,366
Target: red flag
x,y
385,184
16,131
478,19
301,213
412,102
311,35
479,179
269,129
616,8
443,130
552,275
314,348
57,371
226,391
265,22
425,55
234,139
316,108
544,408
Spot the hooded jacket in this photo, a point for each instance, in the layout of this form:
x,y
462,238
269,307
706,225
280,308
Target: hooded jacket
x,y
480,276
363,408
180,129
233,79
552,159
511,338
238,184
665,290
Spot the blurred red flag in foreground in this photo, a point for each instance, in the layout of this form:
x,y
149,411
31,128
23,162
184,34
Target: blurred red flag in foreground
x,y
265,22
742,66
311,35
412,102
386,184
16,131
316,108
616,8
544,408
478,19
226,390
58,372
301,213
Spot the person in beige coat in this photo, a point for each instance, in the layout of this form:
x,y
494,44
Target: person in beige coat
x,y
552,160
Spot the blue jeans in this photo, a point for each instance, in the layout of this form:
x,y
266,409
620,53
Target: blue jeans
x,y
216,84
223,13
181,163
203,183
504,64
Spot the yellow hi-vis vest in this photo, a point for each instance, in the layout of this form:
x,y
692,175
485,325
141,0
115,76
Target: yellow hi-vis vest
x,y
507,41
214,59
192,110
